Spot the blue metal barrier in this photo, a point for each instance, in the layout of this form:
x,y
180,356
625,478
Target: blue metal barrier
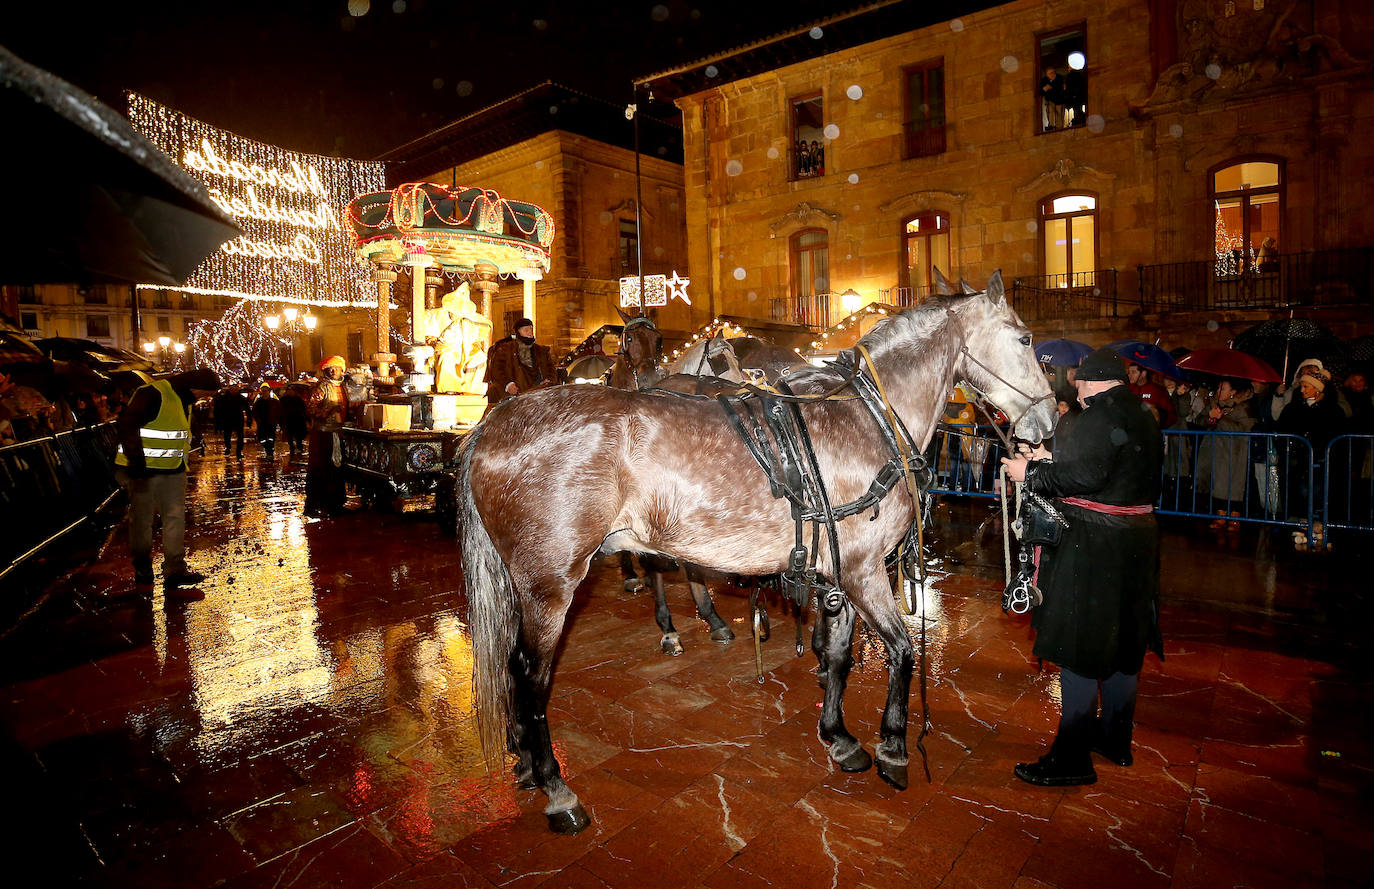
x,y
965,460
50,485
1244,476
1348,489
1253,477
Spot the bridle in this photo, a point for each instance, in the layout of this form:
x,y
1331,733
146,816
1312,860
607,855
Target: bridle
x,y
982,399
638,321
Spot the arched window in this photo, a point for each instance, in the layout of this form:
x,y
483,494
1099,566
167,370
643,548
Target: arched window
x,y
1247,207
925,242
1068,236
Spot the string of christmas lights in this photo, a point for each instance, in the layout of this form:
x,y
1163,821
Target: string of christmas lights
x,y
852,319
296,246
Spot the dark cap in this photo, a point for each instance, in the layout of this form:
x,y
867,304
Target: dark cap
x,y
1100,366
523,322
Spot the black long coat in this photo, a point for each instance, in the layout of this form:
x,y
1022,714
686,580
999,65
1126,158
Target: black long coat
x,y
1101,584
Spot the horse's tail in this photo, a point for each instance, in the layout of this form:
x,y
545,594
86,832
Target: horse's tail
x,y
493,616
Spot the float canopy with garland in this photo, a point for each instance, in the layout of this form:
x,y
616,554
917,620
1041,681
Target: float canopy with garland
x,y
464,238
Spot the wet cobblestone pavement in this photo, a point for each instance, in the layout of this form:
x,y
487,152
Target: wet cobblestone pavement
x,y
309,723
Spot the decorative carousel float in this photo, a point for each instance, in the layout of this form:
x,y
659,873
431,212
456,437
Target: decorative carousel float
x,y
465,238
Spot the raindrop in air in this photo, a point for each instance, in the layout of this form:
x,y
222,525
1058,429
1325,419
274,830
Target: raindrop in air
x,y
1096,123
853,178
712,70
604,218
1176,130
739,273
956,24
464,87
817,33
733,168
539,165
1026,257
772,153
1031,225
659,13
357,8
658,252
553,109
437,83
831,131
1213,71
751,296
1010,64
398,7
1212,326
854,92
540,24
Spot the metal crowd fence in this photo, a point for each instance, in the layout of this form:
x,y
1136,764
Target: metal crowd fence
x,y
1251,477
50,486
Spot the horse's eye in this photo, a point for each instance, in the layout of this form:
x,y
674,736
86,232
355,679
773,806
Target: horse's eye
x,y
1026,340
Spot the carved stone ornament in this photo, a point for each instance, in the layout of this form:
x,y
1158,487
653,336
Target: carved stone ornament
x,y
922,200
801,215
1230,50
1062,171
628,205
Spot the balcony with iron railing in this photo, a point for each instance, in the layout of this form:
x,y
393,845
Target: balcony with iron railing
x,y
904,297
1089,294
1316,278
817,311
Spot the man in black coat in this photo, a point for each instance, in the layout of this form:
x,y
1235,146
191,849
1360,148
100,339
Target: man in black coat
x,y
1101,583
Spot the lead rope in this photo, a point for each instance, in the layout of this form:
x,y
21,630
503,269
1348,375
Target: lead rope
x,y
903,582
1006,530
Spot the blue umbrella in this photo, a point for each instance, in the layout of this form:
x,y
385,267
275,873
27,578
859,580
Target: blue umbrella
x,y
1062,352
1148,356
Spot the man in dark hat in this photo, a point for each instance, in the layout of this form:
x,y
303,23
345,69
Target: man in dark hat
x,y
1101,583
517,364
154,432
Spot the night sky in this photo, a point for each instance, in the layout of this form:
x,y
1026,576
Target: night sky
x,y
310,76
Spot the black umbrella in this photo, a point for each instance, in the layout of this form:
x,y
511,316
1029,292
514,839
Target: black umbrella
x,y
1362,348
91,201
1286,342
98,356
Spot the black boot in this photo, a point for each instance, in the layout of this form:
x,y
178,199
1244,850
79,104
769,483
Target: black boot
x,y
1113,746
1068,762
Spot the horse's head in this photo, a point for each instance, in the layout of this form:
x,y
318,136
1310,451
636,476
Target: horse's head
x,y
998,360
641,349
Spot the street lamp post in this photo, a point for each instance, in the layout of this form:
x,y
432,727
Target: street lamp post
x,y
164,352
291,324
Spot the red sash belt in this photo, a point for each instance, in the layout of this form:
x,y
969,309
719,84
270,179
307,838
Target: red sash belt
x,y
1108,508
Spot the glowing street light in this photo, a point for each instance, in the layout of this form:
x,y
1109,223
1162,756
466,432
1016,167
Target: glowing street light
x,y
291,324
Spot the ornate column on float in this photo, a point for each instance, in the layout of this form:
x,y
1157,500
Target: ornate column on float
x,y
486,283
385,275
528,277
475,233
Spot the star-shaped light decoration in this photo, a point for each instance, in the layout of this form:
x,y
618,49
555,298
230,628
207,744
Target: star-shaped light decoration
x,y
677,287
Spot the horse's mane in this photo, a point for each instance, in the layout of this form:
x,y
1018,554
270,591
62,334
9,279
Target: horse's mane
x,y
917,323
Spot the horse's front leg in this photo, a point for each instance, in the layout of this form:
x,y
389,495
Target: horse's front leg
x,y
628,574
875,602
706,609
843,748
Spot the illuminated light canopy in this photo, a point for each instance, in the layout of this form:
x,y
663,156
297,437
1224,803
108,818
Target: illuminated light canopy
x,y
296,245
422,224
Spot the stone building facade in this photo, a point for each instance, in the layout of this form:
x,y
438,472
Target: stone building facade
x,y
1190,131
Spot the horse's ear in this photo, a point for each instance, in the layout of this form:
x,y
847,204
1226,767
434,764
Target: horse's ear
x,y
625,319
966,287
996,291
941,282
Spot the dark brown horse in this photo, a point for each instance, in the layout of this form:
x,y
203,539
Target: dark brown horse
x,y
637,366
550,478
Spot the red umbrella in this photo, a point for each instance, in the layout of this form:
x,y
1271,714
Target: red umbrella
x,y
1229,363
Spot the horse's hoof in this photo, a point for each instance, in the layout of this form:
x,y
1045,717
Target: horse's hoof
x,y
722,635
856,761
672,645
569,821
633,584
893,774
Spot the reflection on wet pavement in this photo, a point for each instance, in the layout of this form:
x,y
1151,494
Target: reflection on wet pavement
x,y
309,723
